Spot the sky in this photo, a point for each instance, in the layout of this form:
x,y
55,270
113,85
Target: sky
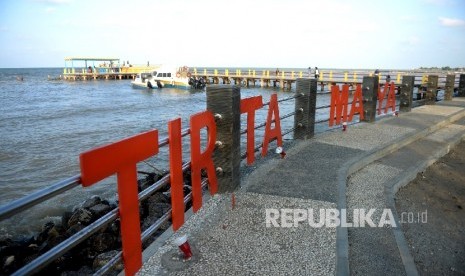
x,y
396,34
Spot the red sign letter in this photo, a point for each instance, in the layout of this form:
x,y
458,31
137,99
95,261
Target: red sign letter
x,y
203,160
121,158
391,101
249,105
176,175
275,132
357,104
339,103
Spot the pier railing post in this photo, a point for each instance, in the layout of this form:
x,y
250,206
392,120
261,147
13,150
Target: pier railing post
x,y
449,91
224,102
305,108
370,97
431,89
406,93
461,86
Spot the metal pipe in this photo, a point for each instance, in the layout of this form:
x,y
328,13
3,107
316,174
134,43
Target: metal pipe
x,y
324,106
166,141
40,196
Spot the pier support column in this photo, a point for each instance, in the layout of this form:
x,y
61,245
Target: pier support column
x,y
225,101
406,93
431,89
461,86
370,97
305,108
449,91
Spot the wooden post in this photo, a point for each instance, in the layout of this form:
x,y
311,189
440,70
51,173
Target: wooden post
x,y
461,86
305,108
370,97
449,91
224,102
431,89
406,93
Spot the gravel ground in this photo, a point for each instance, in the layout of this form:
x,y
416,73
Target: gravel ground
x,y
236,241
372,250
437,237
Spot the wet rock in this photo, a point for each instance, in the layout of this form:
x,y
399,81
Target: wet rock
x,y
158,198
74,229
91,202
65,218
103,242
144,183
99,210
43,235
158,209
82,216
104,258
85,270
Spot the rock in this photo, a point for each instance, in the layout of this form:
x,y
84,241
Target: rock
x,y
102,242
65,218
74,229
43,235
85,270
91,202
104,258
9,260
99,210
158,198
82,216
157,209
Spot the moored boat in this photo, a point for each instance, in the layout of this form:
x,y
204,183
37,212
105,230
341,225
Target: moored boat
x,y
179,77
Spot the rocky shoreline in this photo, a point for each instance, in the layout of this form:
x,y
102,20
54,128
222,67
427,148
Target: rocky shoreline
x,y
93,253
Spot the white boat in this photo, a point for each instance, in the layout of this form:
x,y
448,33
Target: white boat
x,y
164,77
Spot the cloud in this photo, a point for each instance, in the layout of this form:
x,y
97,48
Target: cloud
x,y
451,22
438,2
54,2
413,40
50,10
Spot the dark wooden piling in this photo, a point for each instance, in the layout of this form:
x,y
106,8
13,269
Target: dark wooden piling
x,y
224,102
305,108
370,97
431,89
449,90
461,86
406,93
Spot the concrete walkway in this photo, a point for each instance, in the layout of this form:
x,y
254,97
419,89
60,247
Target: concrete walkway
x,y
360,168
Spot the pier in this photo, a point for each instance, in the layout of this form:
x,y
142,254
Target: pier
x,y
287,79
96,68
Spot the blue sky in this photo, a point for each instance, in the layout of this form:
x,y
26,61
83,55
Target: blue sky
x,y
400,34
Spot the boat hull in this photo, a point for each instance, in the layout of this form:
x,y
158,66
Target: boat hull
x,y
152,84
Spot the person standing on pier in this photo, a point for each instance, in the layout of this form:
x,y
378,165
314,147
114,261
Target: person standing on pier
x,y
317,73
309,72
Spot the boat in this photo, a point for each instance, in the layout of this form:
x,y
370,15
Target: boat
x,y
165,77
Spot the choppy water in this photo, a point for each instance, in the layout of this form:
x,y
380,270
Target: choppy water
x,y
45,125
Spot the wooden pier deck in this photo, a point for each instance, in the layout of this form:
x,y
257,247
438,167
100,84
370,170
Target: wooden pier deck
x,y
99,76
284,79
